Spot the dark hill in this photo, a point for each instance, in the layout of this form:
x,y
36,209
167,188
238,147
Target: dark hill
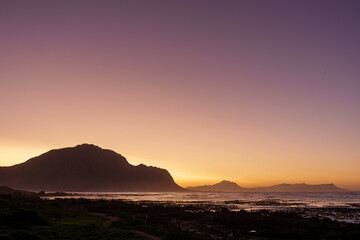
x,y
223,186
85,168
4,190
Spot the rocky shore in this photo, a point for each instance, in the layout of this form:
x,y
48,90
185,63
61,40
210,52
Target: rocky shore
x,y
27,217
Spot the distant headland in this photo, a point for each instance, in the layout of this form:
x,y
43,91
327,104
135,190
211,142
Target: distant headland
x,y
227,186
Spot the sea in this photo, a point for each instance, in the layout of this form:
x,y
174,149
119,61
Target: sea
x,y
336,206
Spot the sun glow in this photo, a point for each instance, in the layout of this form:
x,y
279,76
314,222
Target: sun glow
x,y
244,91
13,155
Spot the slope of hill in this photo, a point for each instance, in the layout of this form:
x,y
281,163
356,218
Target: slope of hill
x,y
4,190
84,168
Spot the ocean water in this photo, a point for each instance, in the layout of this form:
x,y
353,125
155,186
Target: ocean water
x,y
286,199
340,206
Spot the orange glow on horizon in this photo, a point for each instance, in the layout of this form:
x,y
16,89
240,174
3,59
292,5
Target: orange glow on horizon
x,y
243,91
249,176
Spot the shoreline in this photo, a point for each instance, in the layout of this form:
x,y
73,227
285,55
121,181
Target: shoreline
x,y
64,218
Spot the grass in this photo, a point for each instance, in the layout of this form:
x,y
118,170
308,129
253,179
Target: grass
x,y
37,219
34,219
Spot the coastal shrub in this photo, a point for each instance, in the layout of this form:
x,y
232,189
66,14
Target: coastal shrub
x,y
21,235
3,237
180,236
24,218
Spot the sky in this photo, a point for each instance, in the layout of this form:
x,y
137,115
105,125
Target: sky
x,y
255,92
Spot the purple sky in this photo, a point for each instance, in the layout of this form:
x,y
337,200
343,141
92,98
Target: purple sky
x,y
252,91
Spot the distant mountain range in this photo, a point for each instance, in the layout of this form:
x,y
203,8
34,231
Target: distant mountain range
x,y
89,168
227,186
224,186
85,168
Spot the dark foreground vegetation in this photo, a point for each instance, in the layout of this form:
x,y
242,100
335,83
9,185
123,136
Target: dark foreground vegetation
x,y
24,217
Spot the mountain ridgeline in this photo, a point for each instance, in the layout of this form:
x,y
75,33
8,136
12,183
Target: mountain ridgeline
x,y
85,168
89,168
227,186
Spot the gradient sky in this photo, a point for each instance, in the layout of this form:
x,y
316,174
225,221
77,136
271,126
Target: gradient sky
x,y
256,92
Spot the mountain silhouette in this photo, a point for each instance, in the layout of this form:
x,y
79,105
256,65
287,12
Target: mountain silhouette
x,y
223,186
85,168
300,187
227,186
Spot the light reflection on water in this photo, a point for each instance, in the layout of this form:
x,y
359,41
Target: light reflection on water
x,y
284,199
340,206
